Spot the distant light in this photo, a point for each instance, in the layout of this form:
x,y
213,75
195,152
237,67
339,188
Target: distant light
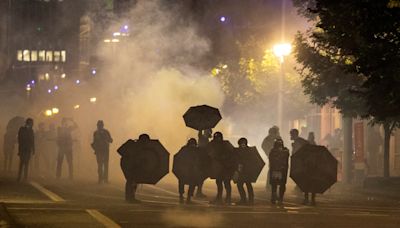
x,y
126,27
224,66
107,41
93,100
222,19
48,112
94,71
47,76
28,88
76,106
33,82
78,81
55,87
116,34
115,40
282,50
63,75
49,90
55,110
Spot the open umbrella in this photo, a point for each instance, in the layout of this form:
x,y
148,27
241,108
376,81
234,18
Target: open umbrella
x,y
251,161
202,117
223,159
144,162
15,123
187,165
313,168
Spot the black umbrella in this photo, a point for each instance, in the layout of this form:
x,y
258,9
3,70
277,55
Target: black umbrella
x,y
202,117
223,159
251,161
144,162
187,165
15,123
313,168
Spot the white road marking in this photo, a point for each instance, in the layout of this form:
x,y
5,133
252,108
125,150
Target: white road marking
x,y
48,193
107,222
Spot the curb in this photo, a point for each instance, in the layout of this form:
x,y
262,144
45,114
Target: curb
x,y
5,219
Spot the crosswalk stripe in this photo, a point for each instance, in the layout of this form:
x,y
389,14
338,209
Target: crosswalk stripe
x,y
107,222
48,193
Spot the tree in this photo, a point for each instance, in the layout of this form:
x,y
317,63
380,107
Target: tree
x,y
366,34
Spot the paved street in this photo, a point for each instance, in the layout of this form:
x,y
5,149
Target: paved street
x,y
50,203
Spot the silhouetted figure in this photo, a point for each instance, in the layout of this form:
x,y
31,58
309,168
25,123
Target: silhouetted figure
x,y
64,143
204,138
311,138
40,140
191,147
298,142
10,139
26,147
126,166
278,165
101,145
268,144
243,179
225,174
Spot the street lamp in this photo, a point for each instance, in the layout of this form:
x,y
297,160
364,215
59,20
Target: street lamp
x,y
281,50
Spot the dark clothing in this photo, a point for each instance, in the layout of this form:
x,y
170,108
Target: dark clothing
x,y
26,148
297,144
60,159
10,139
101,141
228,189
182,190
278,167
242,192
64,142
130,185
278,162
102,166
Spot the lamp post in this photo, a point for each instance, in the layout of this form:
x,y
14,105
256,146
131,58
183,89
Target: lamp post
x,y
281,50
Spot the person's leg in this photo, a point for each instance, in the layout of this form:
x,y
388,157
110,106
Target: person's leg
x,y
105,166
218,198
21,165
250,192
228,189
305,198
26,166
181,189
60,158
128,190
273,193
99,167
199,192
70,164
190,193
282,189
241,192
313,199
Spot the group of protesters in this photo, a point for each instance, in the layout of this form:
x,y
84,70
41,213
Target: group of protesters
x,y
272,145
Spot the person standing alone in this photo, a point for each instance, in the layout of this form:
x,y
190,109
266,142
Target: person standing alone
x,y
26,147
101,145
64,142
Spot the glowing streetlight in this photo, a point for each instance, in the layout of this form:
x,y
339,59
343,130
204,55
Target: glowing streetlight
x,y
281,50
28,88
55,110
93,100
48,112
56,87
77,106
78,81
63,75
222,19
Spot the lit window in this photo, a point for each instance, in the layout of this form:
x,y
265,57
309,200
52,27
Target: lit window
x,y
42,55
26,55
63,56
19,55
56,56
34,56
49,56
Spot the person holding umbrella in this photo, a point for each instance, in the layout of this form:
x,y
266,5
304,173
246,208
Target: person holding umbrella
x,y
243,175
188,155
278,166
26,147
221,153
